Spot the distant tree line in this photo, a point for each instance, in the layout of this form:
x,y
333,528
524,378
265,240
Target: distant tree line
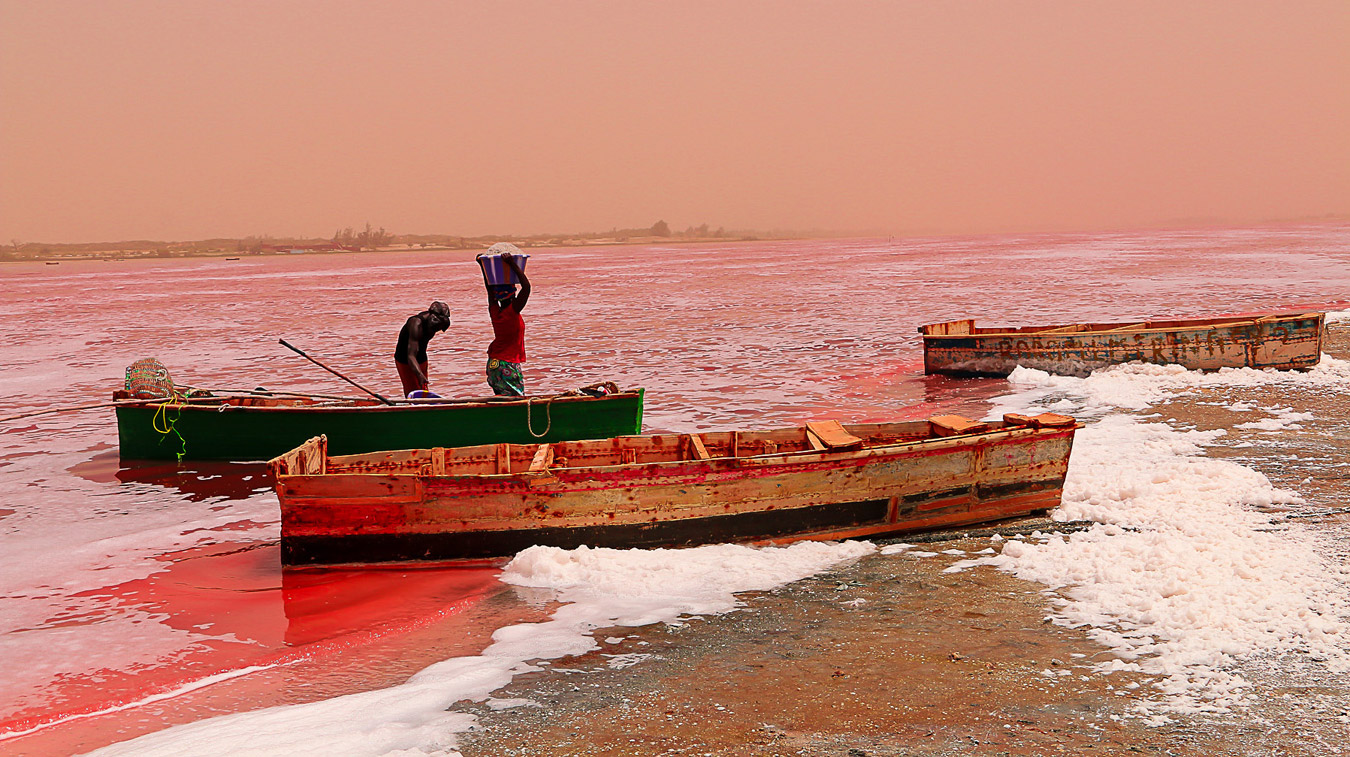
x,y
349,239
363,240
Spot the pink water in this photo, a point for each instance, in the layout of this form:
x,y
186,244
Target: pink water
x,y
122,583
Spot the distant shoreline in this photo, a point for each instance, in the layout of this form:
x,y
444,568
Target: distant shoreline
x,y
300,248
260,247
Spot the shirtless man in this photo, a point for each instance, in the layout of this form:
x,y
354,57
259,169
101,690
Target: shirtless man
x,y
411,355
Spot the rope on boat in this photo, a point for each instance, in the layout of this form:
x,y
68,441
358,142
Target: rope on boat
x,y
165,425
149,379
529,422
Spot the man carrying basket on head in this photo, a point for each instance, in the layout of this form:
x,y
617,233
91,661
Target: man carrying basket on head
x,y
507,351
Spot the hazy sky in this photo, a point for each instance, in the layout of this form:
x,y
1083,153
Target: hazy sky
x,y
186,119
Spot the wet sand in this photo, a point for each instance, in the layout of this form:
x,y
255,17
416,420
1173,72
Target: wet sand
x,y
892,656
887,656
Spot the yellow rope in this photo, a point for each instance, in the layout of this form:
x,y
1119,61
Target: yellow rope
x,y
162,423
529,421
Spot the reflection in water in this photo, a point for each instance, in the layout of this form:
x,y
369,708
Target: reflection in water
x,y
235,609
197,481
328,604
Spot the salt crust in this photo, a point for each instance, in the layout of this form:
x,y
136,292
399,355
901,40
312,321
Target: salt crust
x,y
1180,578
1136,386
599,588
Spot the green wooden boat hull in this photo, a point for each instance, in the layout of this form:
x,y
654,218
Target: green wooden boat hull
x,y
242,433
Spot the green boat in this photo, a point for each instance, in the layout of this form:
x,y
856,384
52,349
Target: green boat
x,y
245,428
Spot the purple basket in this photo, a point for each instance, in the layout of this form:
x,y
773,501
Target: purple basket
x,y
497,272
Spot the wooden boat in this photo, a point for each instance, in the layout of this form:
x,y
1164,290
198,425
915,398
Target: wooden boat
x,y
261,427
822,481
1286,340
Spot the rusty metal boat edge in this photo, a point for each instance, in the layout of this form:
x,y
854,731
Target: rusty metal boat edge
x,y
825,480
1279,341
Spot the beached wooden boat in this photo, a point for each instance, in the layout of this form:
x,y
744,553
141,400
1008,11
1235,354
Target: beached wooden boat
x,y
1286,340
259,427
822,481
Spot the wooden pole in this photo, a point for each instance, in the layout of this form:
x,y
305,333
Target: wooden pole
x,y
302,354
115,403
280,393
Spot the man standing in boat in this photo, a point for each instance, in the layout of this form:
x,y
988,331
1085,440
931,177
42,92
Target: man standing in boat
x,y
507,350
411,355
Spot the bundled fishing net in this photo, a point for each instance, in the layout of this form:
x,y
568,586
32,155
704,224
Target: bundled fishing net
x,y
148,379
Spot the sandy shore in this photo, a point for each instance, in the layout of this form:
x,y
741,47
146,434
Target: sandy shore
x,y
892,656
887,656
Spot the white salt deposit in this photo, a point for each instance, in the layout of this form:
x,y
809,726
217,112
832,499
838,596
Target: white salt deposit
x,y
893,549
510,704
599,588
1181,577
1138,385
621,661
1284,418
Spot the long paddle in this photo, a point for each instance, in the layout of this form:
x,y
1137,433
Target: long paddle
x,y
302,354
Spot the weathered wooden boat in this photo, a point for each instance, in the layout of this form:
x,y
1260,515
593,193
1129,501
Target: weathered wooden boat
x,y
822,481
1283,341
260,427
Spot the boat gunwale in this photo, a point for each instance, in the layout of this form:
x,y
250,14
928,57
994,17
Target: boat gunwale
x,y
765,463
220,404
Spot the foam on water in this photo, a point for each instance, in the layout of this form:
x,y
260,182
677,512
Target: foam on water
x,y
598,588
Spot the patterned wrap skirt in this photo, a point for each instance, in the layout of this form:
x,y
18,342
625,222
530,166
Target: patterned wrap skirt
x,y
505,378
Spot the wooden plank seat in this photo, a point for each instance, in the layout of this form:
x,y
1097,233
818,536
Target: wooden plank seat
x,y
697,449
830,435
1044,420
955,425
543,458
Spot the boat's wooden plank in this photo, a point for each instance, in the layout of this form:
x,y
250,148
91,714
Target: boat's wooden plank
x,y
503,458
955,425
307,459
832,434
543,458
698,450
1054,420
1044,420
949,328
350,486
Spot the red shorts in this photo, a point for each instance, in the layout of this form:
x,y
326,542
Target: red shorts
x,y
408,376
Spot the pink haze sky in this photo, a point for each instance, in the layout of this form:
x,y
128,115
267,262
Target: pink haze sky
x,y
187,119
